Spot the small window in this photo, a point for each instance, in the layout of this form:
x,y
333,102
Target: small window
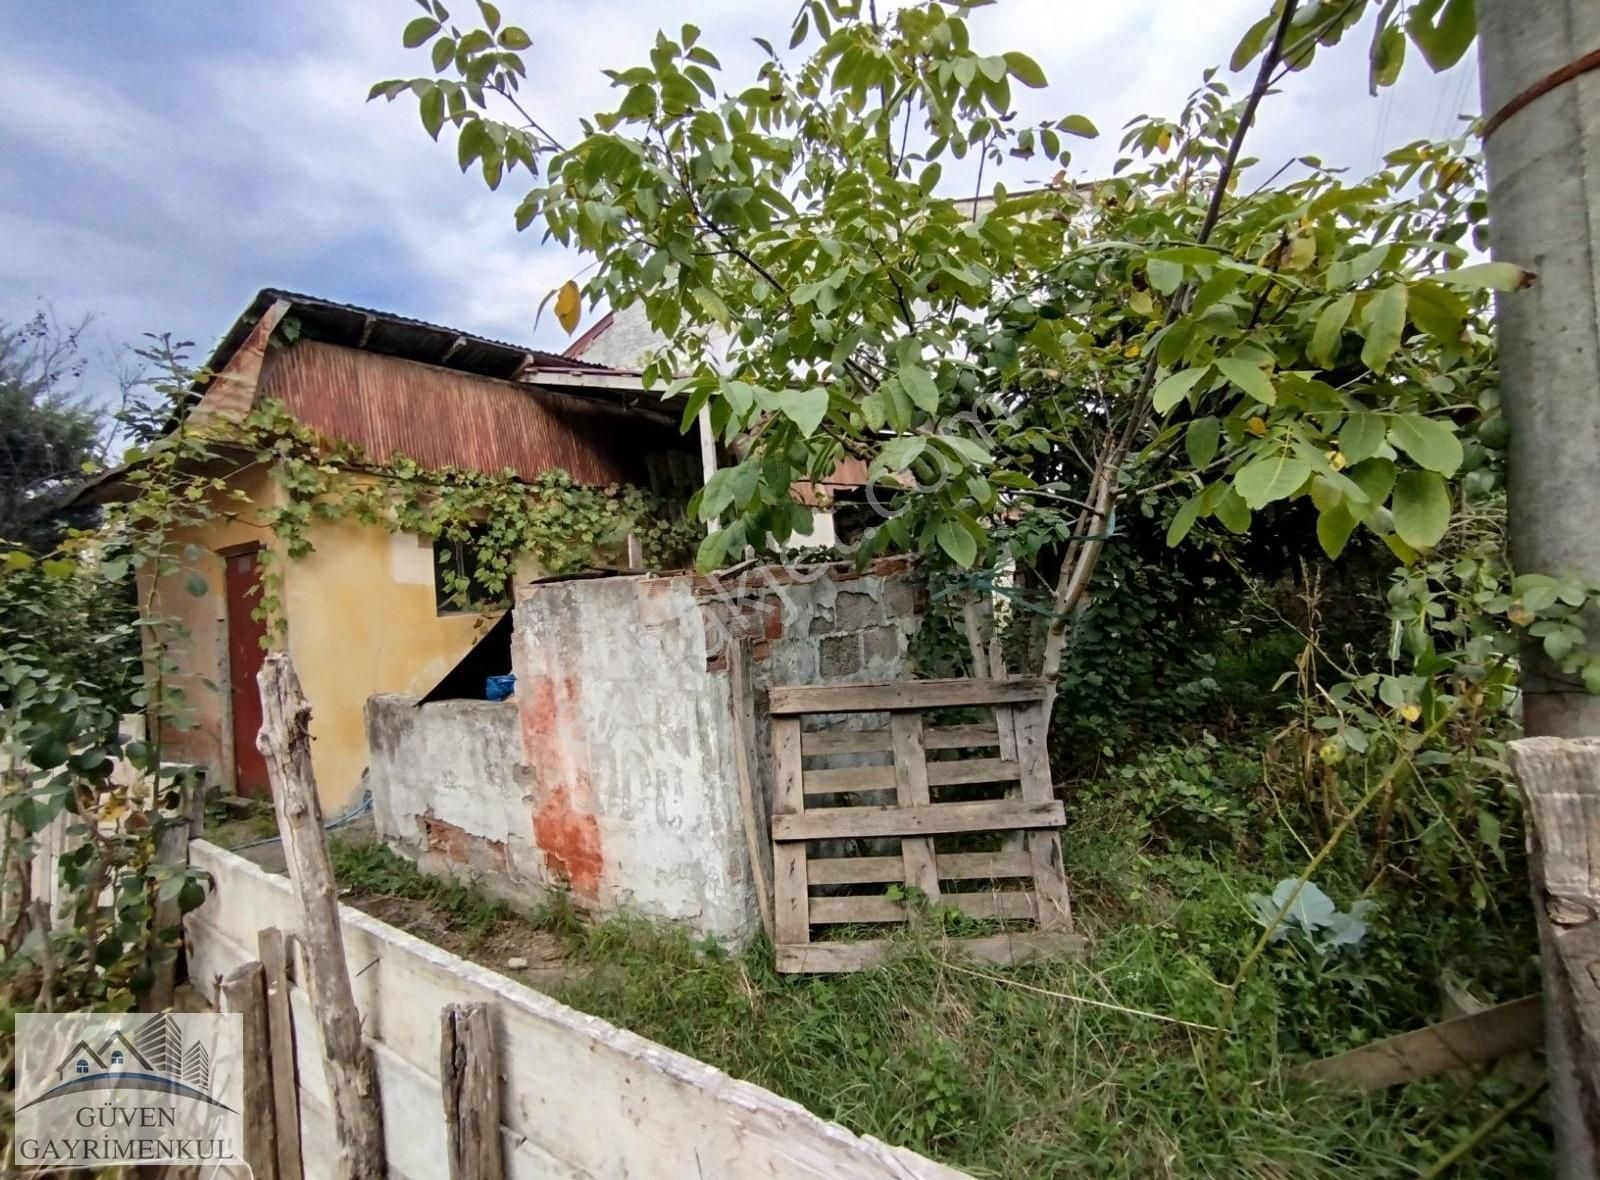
x,y
83,1066
455,562
116,1057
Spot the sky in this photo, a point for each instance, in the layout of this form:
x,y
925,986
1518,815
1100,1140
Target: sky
x,y
165,159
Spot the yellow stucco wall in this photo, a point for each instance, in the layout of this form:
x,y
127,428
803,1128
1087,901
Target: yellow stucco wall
x,y
201,655
361,620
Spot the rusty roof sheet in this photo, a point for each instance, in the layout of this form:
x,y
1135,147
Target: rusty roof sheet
x,y
389,334
389,407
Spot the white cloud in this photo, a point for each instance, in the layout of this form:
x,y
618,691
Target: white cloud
x,y
166,188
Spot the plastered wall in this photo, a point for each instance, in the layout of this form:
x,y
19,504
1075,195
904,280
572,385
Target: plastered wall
x,y
611,773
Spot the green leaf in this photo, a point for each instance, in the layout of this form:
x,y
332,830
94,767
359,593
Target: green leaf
x,y
431,110
196,584
1445,40
1375,478
191,895
1432,442
740,398
1421,508
1386,320
1501,276
1201,439
805,407
1275,477
1078,125
419,31
1250,377
1252,41
1025,70
1334,527
1164,276
1326,335
920,388
712,550
900,453
1183,520
514,38
1388,55
969,450
1175,388
1232,512
1361,436
958,543
1438,312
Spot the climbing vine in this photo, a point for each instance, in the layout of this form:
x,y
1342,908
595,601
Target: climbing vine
x,y
500,520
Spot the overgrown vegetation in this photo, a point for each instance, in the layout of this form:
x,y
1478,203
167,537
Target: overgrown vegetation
x,y
1067,1067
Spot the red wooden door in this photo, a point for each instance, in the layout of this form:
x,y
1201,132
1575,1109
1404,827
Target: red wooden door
x,y
245,633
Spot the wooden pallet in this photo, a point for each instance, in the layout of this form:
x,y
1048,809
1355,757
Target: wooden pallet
x,y
1007,790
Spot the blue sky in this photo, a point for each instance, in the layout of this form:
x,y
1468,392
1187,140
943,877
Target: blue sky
x,y
165,159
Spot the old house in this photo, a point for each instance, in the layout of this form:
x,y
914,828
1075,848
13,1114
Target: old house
x,y
366,611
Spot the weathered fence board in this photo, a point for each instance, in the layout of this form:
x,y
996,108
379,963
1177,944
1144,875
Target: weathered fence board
x,y
581,1098
1500,1031
1016,806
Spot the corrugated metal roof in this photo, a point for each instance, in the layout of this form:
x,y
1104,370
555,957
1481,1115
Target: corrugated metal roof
x,y
390,407
390,334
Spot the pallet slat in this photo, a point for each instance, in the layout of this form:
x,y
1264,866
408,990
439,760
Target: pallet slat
x,y
1025,818
902,695
882,778
937,819
878,741
1016,905
952,866
790,892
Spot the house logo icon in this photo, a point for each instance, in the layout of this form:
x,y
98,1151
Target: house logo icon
x,y
152,1058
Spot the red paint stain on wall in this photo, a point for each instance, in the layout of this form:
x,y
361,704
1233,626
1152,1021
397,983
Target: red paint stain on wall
x,y
570,841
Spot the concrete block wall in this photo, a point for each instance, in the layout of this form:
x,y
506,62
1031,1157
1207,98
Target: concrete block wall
x,y
611,773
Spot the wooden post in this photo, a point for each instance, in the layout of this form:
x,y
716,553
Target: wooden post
x,y
285,742
1560,780
750,801
172,848
469,1079
280,1034
244,990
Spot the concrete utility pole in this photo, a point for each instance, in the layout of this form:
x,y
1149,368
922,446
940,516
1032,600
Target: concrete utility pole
x,y
1540,69
1541,100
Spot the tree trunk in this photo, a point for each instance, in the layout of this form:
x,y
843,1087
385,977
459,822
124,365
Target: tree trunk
x,y
1544,205
285,741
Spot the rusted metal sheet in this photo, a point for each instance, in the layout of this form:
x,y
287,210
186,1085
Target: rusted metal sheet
x,y
443,418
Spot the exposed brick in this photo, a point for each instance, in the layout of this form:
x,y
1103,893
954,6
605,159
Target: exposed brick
x,y
881,644
461,847
840,656
888,567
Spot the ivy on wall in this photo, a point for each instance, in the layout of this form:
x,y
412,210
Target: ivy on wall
x,y
551,521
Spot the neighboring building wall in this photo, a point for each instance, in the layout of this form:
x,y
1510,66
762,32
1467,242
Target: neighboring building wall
x,y
626,792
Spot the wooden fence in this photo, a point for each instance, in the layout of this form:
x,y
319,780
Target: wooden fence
x,y
579,1097
1009,797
